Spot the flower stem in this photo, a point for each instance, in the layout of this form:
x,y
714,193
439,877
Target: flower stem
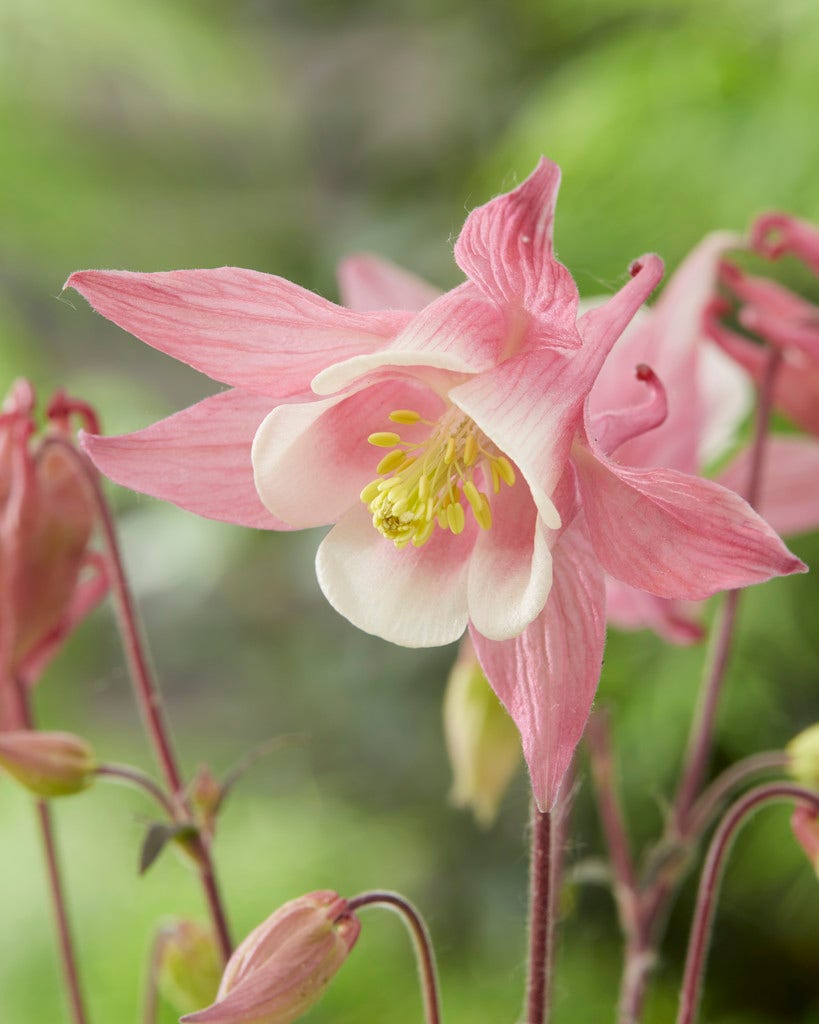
x,y
65,941
702,732
134,777
540,918
147,693
423,944
711,877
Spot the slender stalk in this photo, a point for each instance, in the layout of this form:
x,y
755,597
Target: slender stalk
x,y
655,898
421,940
702,731
538,995
134,777
711,877
56,888
147,692
709,803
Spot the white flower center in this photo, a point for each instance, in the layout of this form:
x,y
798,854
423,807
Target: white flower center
x,y
423,485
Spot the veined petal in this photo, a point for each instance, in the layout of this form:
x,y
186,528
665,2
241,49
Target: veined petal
x,y
675,535
510,573
460,331
198,458
416,597
369,282
547,676
311,460
241,327
613,429
506,248
789,494
628,608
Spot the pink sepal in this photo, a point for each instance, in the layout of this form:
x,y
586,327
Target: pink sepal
x,y
241,327
628,608
547,676
371,283
198,458
675,535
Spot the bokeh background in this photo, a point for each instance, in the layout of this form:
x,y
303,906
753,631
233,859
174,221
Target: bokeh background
x,y
281,136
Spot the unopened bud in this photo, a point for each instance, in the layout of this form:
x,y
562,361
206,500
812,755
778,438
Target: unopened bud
x,y
805,825
803,757
284,966
188,968
482,740
48,763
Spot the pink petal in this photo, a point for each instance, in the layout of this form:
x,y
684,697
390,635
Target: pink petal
x,y
726,396
774,234
675,535
615,428
789,496
505,247
628,608
547,676
368,282
198,458
668,338
802,335
510,573
416,597
312,460
460,331
252,330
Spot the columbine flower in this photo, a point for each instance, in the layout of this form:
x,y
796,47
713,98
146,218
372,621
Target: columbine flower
x,y
285,965
452,448
46,518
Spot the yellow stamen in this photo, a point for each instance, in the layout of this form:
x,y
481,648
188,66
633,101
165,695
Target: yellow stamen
x,y
384,439
449,454
391,461
455,517
505,469
470,450
405,416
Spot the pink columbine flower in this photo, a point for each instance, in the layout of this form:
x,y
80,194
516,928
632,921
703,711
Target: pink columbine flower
x,y
453,449
49,578
284,966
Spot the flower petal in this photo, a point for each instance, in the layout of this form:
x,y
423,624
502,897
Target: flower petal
x,y
505,247
510,573
460,331
628,608
241,327
774,234
311,460
675,535
789,495
416,597
547,676
368,282
198,458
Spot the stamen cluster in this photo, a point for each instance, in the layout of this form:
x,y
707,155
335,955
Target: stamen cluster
x,y
423,485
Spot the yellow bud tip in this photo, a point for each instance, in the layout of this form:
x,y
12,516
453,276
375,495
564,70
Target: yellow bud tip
x,y
405,416
384,439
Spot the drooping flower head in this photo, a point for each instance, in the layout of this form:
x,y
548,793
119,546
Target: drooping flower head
x,y
46,519
451,446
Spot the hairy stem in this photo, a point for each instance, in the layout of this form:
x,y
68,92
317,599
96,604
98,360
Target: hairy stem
x,y
711,877
540,915
424,953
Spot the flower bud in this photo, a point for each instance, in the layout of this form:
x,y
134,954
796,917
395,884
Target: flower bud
x,y
188,965
482,740
805,825
48,763
803,756
284,966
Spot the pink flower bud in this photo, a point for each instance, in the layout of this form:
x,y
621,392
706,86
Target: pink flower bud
x,y
46,519
47,763
284,966
482,740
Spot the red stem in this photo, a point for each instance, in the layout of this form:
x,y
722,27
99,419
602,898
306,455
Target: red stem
x,y
711,877
421,940
538,993
147,692
65,941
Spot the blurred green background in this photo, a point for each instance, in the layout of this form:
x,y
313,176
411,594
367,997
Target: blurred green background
x,y
281,136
